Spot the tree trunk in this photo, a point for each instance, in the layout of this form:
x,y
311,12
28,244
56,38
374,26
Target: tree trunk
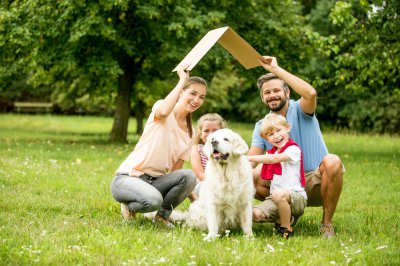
x,y
119,130
139,113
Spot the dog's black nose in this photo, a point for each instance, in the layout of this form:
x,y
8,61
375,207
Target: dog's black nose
x,y
214,142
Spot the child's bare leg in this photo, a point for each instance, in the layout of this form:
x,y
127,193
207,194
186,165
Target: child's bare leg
x,y
282,198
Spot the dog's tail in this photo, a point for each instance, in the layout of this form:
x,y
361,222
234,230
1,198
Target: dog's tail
x,y
176,216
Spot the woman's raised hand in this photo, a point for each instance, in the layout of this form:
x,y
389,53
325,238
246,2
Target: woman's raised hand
x,y
182,72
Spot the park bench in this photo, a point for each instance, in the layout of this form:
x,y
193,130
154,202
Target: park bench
x,y
33,107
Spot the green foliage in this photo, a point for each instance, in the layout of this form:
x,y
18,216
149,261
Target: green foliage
x,y
358,79
75,52
77,48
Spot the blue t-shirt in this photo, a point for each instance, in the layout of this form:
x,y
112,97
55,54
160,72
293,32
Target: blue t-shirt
x,y
304,131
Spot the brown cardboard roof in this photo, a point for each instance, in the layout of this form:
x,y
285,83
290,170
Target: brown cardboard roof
x,y
231,41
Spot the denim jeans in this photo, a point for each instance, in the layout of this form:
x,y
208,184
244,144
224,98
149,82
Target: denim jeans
x,y
146,193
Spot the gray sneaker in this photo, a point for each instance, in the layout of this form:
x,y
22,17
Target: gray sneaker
x,y
327,230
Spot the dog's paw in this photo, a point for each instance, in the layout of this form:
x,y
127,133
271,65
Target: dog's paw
x,y
249,236
210,237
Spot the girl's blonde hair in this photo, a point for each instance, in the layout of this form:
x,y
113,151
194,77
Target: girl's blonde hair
x,y
272,121
207,117
192,80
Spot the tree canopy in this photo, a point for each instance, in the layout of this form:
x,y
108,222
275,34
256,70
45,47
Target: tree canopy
x,y
119,55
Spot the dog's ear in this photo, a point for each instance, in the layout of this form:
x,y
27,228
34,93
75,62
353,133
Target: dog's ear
x,y
207,148
240,146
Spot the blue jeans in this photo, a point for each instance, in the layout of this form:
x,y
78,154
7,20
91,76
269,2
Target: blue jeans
x,y
146,193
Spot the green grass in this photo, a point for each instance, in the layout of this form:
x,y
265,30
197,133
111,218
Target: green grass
x,y
56,207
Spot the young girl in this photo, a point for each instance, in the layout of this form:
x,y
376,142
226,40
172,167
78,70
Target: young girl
x,y
283,164
206,125
151,178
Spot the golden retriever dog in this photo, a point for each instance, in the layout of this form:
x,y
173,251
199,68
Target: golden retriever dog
x,y
225,199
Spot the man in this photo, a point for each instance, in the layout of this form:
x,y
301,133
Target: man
x,y
323,171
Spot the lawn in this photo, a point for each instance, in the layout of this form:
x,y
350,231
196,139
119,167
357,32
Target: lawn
x,y
56,206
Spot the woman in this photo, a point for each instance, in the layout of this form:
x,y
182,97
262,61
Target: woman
x,y
152,178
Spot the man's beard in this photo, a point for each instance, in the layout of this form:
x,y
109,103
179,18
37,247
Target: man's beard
x,y
279,107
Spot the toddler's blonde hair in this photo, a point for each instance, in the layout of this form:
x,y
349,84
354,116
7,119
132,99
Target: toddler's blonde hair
x,y
272,121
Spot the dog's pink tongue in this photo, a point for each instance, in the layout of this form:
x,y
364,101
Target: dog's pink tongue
x,y
217,155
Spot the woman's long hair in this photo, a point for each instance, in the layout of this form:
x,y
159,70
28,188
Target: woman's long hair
x,y
191,81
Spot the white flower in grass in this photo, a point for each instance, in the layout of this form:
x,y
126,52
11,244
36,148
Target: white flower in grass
x,y
281,243
124,263
192,263
36,260
332,262
271,248
43,233
227,232
162,259
381,247
348,260
358,251
315,246
179,249
192,256
234,252
78,161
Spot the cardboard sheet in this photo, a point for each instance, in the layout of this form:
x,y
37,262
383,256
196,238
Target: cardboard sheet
x,y
231,41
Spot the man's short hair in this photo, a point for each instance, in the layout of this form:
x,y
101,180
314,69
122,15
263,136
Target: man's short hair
x,y
267,77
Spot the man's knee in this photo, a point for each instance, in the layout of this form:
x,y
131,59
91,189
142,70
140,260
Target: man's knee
x,y
258,215
261,192
332,165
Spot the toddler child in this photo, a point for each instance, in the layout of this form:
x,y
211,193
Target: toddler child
x,y
283,165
